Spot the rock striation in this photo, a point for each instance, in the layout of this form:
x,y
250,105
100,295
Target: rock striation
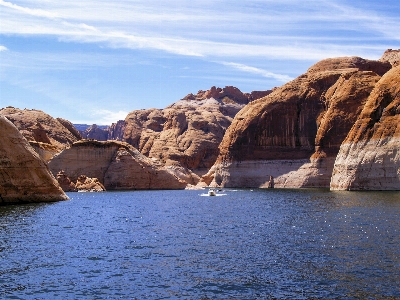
x,y
294,134
186,134
369,158
116,165
24,176
46,134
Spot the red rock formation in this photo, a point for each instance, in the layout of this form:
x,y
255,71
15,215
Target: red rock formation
x,y
116,130
65,183
391,56
189,131
39,127
96,133
369,158
24,177
294,133
117,165
86,184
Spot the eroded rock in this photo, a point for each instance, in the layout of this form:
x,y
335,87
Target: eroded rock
x,y
295,133
116,165
369,158
24,176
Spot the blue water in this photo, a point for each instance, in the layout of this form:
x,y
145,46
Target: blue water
x,y
261,244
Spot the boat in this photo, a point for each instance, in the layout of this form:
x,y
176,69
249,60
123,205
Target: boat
x,y
212,192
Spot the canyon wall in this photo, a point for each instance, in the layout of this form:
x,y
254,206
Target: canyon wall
x,y
117,165
291,137
369,158
187,133
46,134
24,176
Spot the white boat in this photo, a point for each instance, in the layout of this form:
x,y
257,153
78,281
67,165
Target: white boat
x,y
212,192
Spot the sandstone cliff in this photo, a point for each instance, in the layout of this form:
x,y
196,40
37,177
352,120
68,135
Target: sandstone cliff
x,y
369,158
187,133
95,132
391,56
117,165
24,177
47,135
295,133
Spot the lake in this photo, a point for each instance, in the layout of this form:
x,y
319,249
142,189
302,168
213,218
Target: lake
x,y
243,244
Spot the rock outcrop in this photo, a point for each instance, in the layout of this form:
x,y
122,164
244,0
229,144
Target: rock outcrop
x,y
24,176
86,184
391,56
187,133
369,158
295,133
116,165
46,134
95,132
65,183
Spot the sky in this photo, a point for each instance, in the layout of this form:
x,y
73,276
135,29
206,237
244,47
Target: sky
x,y
94,61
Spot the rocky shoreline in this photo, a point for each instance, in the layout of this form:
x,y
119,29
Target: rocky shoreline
x,y
337,126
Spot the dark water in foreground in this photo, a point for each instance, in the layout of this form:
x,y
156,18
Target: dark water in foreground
x,y
261,244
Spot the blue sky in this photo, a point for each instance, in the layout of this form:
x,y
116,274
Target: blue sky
x,y
94,61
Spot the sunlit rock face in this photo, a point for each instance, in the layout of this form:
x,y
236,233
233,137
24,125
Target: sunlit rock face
x,y
24,176
46,134
369,158
116,165
295,133
187,133
391,56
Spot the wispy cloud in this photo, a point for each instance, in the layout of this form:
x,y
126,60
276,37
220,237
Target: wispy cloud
x,y
252,28
254,70
3,48
30,11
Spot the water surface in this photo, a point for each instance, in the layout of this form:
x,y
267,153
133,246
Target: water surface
x,y
247,244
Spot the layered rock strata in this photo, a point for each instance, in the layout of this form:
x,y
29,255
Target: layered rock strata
x,y
369,158
187,133
117,165
47,135
295,133
24,176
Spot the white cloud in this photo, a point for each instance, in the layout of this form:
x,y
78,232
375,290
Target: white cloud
x,y
269,29
107,117
3,48
253,70
29,11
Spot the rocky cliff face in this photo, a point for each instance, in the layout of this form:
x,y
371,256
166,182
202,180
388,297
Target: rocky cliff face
x,y
391,56
24,177
95,132
369,158
47,135
117,165
295,133
187,133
